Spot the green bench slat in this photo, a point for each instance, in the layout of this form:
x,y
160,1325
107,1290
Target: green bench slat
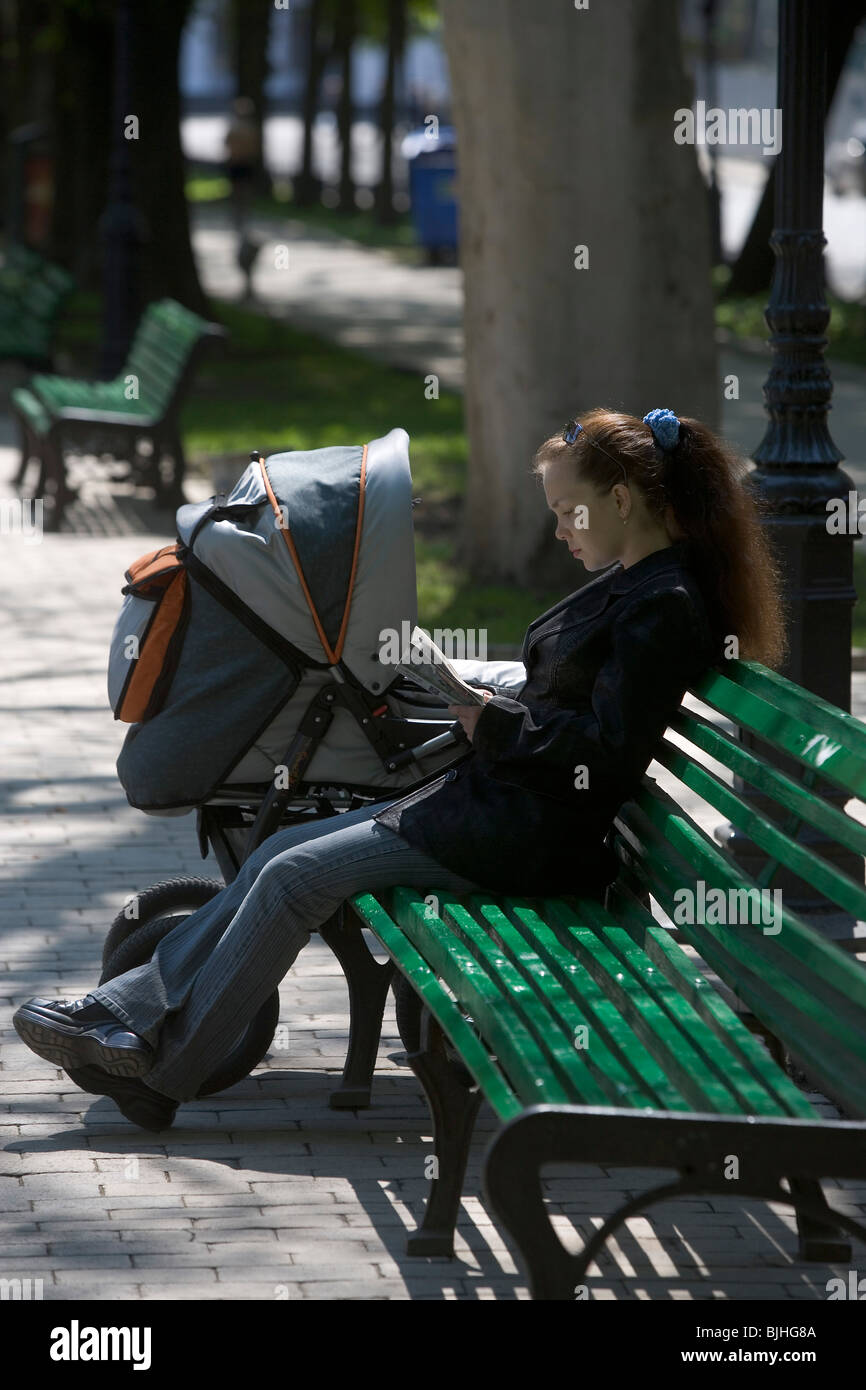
x,y
538,995
718,1058
634,994
750,1059
805,947
788,794
632,1076
520,1057
32,409
422,979
816,1009
836,724
636,1040
821,749
830,881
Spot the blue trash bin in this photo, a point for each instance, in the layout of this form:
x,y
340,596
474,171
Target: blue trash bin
x,y
432,189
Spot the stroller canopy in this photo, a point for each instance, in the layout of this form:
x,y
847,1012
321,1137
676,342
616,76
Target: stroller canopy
x,y
320,546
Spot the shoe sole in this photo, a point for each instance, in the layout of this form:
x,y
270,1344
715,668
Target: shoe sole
x,y
70,1052
154,1115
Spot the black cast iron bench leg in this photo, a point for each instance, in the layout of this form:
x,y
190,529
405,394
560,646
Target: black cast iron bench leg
x,y
818,1240
453,1099
367,982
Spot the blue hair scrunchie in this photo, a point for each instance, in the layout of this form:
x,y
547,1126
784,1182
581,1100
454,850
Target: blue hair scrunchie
x,y
571,431
665,426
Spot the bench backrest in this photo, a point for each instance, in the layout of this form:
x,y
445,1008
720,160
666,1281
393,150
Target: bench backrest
x,y
162,351
38,287
808,991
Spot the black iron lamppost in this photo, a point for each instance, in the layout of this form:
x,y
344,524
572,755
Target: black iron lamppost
x,y
120,225
797,462
712,72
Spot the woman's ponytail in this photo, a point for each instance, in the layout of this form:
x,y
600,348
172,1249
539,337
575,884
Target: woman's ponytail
x,y
687,474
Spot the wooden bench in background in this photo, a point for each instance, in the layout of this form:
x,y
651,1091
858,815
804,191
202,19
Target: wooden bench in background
x,y
142,402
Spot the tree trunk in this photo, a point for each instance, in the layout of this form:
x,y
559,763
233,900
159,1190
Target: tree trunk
x,y
251,20
396,40
306,186
565,126
753,269
344,39
81,108
167,263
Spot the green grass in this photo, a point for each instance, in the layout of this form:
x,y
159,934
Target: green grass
x,y
743,316
277,388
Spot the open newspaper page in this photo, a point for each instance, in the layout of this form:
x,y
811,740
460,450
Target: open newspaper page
x,y
429,665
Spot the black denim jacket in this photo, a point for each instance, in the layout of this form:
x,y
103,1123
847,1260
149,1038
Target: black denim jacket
x,y
528,808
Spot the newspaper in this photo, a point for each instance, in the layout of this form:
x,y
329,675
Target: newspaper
x,y
430,666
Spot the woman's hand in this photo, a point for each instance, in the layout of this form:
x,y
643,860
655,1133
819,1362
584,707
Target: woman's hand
x,y
469,714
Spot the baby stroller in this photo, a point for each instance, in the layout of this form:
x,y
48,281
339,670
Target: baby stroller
x,y
279,706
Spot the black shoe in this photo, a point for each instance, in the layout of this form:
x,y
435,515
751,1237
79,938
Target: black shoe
x,y
82,1033
137,1102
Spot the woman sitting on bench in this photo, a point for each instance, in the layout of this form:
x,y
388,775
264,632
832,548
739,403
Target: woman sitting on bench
x,y
659,506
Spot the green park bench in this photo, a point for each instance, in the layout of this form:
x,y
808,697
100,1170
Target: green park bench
x,y
32,294
141,403
594,1034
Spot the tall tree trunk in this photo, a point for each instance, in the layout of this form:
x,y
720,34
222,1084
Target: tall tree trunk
x,y
167,263
81,107
251,21
344,39
306,186
753,269
396,41
565,130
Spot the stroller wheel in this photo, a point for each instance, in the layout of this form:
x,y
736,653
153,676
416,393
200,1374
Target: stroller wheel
x,y
175,895
133,942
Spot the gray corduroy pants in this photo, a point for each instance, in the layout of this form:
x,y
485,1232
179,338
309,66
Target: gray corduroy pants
x,y
210,975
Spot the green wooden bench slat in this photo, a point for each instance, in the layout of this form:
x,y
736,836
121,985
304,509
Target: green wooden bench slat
x,y
536,993
823,1001
558,988
818,750
830,881
796,1002
519,1055
803,705
837,1071
787,793
805,946
717,1057
631,1074
750,1059
651,1024
687,1049
446,1013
